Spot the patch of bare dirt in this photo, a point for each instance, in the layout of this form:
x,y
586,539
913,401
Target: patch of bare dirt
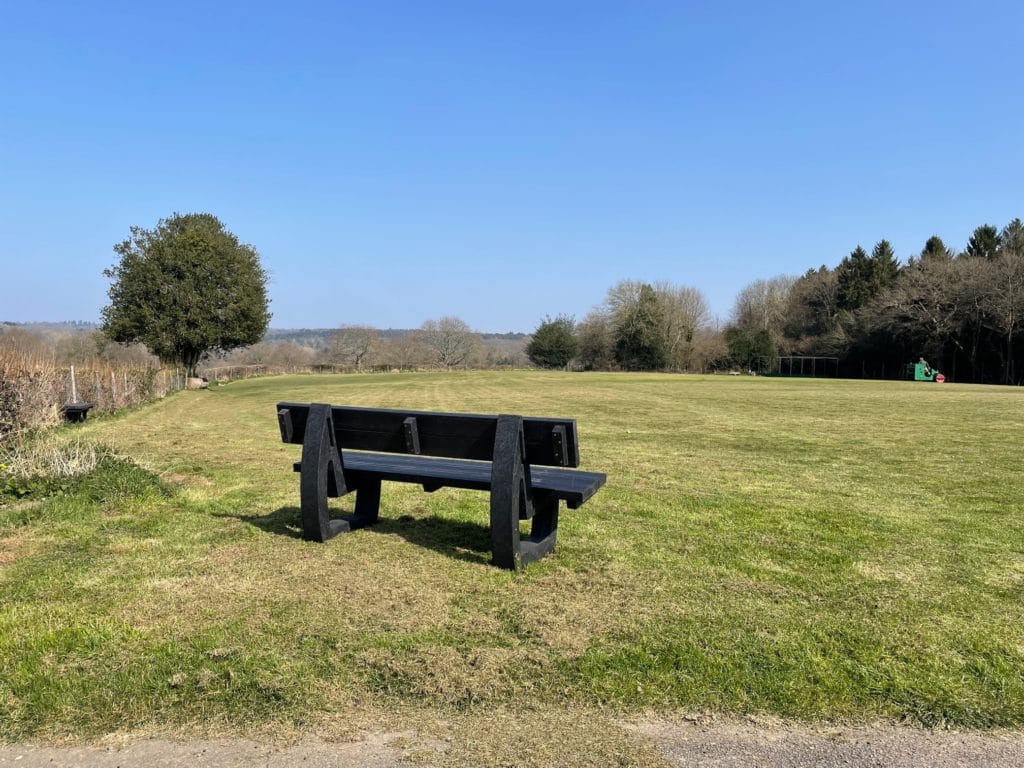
x,y
499,738
12,548
772,743
375,751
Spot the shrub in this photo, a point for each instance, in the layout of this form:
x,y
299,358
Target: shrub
x,y
554,343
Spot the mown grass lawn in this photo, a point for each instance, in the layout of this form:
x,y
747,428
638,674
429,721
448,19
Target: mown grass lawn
x,y
810,549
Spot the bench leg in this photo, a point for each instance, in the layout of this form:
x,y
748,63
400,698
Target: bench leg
x,y
367,508
505,543
544,531
367,504
322,475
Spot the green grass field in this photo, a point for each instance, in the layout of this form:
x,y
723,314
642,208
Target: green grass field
x,y
808,549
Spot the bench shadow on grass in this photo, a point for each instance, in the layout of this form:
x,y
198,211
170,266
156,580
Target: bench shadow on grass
x,y
453,538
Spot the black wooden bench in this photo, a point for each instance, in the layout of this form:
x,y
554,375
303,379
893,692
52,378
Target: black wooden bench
x,y
523,462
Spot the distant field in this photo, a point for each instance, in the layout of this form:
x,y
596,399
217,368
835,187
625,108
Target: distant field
x,y
809,549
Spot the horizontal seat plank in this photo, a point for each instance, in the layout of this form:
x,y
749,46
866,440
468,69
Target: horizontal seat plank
x,y
573,486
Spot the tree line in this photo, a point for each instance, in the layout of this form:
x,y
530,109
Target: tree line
x,y
189,290
446,342
638,327
962,311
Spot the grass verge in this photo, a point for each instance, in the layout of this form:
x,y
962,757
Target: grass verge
x,y
809,549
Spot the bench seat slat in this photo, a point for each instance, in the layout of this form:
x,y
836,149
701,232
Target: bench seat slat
x,y
573,486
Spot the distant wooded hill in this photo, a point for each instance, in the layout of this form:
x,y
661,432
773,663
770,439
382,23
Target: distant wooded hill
x,y
318,337
56,325
308,337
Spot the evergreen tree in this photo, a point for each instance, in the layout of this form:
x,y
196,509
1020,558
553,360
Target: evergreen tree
x,y
811,309
738,342
185,288
763,351
1011,239
884,266
855,274
639,337
554,343
934,248
750,351
984,242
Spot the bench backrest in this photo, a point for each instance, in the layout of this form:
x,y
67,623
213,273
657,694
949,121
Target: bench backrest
x,y
549,442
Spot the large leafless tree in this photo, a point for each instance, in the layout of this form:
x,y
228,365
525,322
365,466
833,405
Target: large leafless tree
x,y
449,340
1005,308
761,306
352,345
685,312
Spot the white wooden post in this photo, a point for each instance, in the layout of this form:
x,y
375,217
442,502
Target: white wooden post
x,y
74,389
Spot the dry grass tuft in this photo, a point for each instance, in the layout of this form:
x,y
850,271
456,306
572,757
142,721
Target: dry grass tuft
x,y
15,547
499,737
52,455
28,387
451,676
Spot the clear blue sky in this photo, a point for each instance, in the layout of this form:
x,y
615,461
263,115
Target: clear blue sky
x,y
395,161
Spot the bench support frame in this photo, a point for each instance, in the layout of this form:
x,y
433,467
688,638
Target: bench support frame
x,y
512,500
323,476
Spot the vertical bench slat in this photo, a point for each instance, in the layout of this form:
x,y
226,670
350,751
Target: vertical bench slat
x,y
284,423
412,435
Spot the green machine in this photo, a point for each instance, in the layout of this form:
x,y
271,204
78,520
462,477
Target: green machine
x,y
921,371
